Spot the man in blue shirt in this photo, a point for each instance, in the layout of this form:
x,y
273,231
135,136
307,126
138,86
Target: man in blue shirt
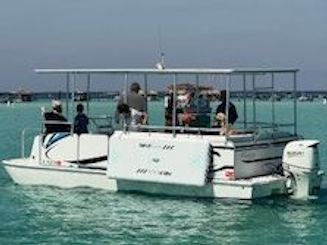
x,y
81,121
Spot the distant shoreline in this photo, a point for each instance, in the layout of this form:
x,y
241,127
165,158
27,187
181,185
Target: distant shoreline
x,y
263,95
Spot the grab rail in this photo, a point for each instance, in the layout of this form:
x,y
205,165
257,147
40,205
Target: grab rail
x,y
180,128
41,130
53,122
187,129
103,123
23,135
268,125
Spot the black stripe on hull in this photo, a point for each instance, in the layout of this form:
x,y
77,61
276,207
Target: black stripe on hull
x,y
263,144
222,168
57,169
223,147
91,167
237,147
91,160
262,159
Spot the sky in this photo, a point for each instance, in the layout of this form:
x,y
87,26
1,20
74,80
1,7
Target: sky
x,y
194,33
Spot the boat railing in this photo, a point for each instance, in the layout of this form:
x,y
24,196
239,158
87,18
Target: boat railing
x,y
67,127
266,125
185,129
103,124
23,138
42,132
177,128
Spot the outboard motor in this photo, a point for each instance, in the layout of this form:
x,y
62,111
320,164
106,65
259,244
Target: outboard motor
x,y
301,167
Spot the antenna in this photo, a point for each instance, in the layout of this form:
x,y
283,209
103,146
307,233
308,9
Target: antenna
x,y
161,64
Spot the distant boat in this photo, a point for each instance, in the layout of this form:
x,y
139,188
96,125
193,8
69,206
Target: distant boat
x,y
80,96
116,98
153,96
5,99
21,96
304,98
275,97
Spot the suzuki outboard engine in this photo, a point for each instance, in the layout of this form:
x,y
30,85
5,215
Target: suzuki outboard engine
x,y
301,167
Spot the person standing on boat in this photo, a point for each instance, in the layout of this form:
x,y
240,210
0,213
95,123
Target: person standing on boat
x,y
169,108
203,113
136,103
221,111
168,104
81,121
189,110
57,123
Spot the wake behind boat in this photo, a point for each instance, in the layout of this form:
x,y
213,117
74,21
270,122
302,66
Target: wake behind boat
x,y
253,160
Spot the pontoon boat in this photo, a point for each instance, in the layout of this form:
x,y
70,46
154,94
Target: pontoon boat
x,y
258,159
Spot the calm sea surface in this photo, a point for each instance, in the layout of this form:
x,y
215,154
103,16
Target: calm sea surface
x,y
44,215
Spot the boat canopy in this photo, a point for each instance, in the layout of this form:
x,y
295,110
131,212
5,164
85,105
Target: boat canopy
x,y
211,71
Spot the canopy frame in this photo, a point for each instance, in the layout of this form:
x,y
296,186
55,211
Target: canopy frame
x,y
252,72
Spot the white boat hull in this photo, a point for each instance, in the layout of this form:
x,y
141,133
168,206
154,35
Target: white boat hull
x,y
25,173
237,189
177,166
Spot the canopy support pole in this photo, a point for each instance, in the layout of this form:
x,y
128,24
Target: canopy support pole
x,y
244,101
273,114
253,102
125,101
73,95
126,88
197,93
295,102
88,94
146,91
227,85
174,104
67,94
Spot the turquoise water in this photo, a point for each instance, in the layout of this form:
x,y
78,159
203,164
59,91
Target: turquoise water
x,y
45,215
